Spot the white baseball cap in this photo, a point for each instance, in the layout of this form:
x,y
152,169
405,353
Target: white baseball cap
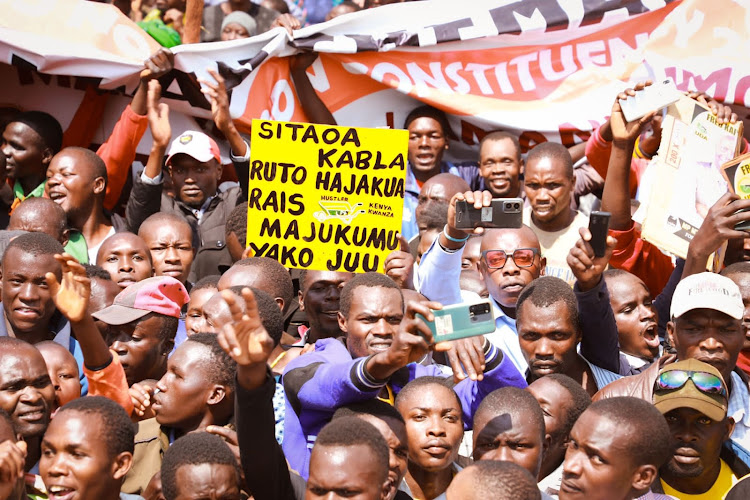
x,y
195,144
707,291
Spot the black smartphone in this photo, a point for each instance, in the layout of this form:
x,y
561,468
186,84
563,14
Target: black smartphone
x,y
503,212
599,226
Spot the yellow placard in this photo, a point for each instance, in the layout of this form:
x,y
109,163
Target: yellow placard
x,y
325,198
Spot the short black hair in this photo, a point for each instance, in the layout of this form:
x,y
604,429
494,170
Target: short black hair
x,y
268,310
499,135
552,150
420,383
581,401
369,280
375,407
32,208
649,441
210,281
193,449
35,244
520,404
237,223
98,272
546,291
613,272
45,125
118,431
99,168
501,481
170,219
220,366
353,431
276,275
429,112
736,268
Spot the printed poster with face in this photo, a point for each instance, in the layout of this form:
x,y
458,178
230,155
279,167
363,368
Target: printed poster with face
x,y
323,197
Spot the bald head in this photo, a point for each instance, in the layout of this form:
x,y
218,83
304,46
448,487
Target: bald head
x,y
40,215
524,236
442,187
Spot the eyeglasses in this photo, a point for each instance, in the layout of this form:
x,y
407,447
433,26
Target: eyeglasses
x,y
704,382
523,257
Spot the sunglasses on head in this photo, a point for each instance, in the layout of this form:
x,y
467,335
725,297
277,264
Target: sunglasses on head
x,y
705,382
523,257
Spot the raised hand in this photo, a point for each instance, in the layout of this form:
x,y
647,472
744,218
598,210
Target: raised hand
x,y
622,130
216,92
411,343
466,357
288,22
71,297
587,267
12,461
158,116
158,65
724,113
245,339
399,265
141,394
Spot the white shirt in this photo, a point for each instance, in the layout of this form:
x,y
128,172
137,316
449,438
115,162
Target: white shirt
x,y
438,279
739,402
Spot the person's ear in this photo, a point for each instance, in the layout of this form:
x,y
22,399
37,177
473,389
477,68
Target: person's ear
x,y
729,422
573,179
65,237
671,334
385,489
300,299
167,347
542,266
217,395
47,155
342,322
546,444
122,464
99,185
643,477
219,170
280,303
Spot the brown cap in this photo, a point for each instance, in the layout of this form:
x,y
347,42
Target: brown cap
x,y
714,406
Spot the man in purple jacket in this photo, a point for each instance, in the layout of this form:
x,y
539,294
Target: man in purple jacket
x,y
376,359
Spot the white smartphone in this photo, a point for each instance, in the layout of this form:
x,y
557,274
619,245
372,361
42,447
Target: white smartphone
x,y
652,98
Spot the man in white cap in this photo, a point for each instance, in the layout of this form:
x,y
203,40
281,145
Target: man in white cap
x,y
194,166
706,324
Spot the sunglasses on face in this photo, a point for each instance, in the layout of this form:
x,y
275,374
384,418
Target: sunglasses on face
x,y
704,382
522,257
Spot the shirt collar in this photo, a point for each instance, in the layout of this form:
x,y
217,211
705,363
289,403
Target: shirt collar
x,y
35,193
739,399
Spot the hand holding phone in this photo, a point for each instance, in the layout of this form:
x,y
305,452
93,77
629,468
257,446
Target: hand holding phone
x,y
502,213
599,227
651,98
461,320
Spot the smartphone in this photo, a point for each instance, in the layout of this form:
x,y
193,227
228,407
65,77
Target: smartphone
x,y
503,212
652,98
459,321
742,226
599,227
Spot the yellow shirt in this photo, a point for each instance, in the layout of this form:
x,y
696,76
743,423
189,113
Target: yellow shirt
x,y
723,484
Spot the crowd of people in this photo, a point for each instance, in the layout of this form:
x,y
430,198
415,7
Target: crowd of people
x,y
145,353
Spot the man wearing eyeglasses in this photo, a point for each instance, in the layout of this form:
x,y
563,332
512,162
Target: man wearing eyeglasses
x,y
511,259
706,325
692,396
